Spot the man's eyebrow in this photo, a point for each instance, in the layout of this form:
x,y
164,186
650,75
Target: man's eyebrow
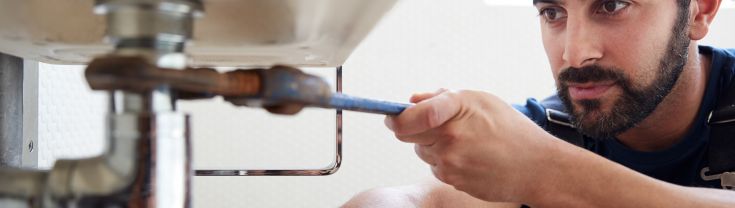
x,y
535,2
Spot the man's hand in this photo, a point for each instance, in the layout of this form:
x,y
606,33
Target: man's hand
x,y
475,142
480,145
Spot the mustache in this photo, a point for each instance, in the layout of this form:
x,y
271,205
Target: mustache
x,y
591,73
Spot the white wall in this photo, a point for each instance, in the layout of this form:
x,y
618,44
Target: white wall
x,y
70,115
420,46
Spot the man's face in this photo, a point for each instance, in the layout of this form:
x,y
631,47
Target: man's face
x,y
614,61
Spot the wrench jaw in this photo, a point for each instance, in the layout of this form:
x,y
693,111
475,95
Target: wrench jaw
x,y
280,89
287,91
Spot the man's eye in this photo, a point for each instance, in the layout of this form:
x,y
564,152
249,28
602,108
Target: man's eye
x,y
553,14
612,7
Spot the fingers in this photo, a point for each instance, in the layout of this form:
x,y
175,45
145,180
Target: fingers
x,y
448,176
426,138
439,174
416,98
424,154
426,115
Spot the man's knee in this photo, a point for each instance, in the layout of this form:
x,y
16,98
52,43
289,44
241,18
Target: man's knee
x,y
425,195
381,197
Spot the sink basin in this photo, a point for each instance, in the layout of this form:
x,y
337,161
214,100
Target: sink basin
x,y
310,33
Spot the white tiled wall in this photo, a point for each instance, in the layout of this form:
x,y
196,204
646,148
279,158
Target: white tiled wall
x,y
420,46
70,116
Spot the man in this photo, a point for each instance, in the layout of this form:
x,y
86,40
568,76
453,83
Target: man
x,y
636,85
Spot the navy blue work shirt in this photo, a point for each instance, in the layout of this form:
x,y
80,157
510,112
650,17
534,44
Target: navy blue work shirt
x,y
684,163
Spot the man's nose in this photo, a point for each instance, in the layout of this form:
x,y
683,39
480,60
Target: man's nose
x,y
582,45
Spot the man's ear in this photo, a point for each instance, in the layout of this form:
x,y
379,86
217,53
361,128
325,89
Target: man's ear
x,y
702,12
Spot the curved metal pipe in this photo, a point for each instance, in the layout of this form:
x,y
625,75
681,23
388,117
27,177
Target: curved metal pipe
x,y
146,165
21,187
103,175
71,179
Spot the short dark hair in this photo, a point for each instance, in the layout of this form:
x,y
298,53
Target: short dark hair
x,y
683,5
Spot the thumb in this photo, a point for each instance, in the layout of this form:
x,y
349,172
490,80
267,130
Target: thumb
x,y
426,115
418,97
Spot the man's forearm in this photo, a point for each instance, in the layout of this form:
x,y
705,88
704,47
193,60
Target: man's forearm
x,y
575,177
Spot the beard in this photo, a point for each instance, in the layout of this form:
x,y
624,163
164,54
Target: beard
x,y
635,103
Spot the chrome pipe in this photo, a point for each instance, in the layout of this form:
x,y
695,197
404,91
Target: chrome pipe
x,y
147,160
126,175
21,188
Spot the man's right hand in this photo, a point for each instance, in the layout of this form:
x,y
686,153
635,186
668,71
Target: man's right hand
x,y
478,144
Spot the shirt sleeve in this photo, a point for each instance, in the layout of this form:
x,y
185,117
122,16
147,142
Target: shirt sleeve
x,y
534,111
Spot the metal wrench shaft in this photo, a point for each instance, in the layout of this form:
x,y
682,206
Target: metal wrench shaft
x,y
346,102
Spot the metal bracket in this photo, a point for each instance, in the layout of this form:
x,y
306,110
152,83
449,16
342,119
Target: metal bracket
x,y
722,116
727,179
557,117
19,112
29,158
329,170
